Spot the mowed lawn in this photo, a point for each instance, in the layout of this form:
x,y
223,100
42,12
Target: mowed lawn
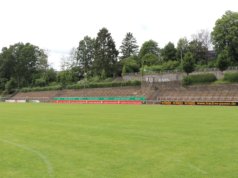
x,y
118,141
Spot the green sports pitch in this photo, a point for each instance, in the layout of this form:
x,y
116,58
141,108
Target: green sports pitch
x,y
118,141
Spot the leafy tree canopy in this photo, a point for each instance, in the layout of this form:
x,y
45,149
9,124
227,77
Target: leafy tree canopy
x,y
20,62
188,63
182,47
223,60
85,54
169,52
225,34
149,47
105,61
129,46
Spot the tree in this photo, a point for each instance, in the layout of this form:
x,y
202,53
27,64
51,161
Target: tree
x,y
201,45
123,70
3,82
148,47
223,60
45,77
105,54
130,64
50,75
169,52
85,54
69,61
203,36
65,63
129,46
199,51
188,63
21,62
182,48
225,35
150,59
7,63
65,77
10,85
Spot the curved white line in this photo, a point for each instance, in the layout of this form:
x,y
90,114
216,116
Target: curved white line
x,y
197,168
37,153
191,166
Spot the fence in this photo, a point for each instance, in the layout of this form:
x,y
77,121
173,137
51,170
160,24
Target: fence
x,y
123,98
26,100
99,100
175,75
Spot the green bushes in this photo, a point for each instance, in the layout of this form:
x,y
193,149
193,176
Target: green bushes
x,y
40,82
130,64
103,84
10,86
48,88
84,85
169,65
231,77
199,79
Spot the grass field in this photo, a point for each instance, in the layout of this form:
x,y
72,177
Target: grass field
x,y
118,141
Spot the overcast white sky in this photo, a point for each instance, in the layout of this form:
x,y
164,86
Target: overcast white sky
x,y
58,25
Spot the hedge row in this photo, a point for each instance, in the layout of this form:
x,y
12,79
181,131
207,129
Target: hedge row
x,y
199,79
48,88
167,66
231,77
104,84
85,85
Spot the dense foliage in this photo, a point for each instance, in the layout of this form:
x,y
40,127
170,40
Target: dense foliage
x,y
188,63
231,77
225,35
223,60
199,79
166,66
23,65
129,46
85,55
105,61
84,85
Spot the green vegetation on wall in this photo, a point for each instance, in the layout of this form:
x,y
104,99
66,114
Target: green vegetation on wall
x,y
231,77
199,79
84,85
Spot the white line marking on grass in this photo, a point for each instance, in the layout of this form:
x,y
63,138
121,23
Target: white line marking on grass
x,y
191,166
197,168
37,153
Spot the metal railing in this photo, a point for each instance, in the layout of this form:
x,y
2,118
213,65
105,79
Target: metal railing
x,y
231,68
26,99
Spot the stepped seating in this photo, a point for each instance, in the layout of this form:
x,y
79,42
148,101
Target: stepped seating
x,y
43,96
175,91
46,96
201,96
154,93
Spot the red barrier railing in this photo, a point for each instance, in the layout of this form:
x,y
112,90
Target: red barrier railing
x,y
95,102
